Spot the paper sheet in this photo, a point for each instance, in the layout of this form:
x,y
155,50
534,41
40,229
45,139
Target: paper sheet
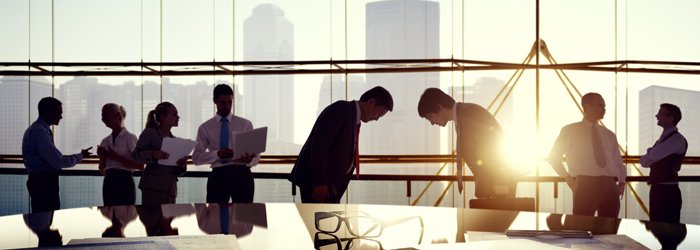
x,y
176,148
193,242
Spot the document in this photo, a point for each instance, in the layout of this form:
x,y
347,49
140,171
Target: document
x,y
251,141
193,242
176,148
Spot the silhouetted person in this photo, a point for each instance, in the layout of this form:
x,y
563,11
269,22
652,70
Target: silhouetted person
x,y
230,176
479,142
220,219
40,224
43,160
593,157
158,183
116,163
665,159
120,217
330,154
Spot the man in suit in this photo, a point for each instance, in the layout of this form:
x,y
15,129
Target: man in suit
x,y
479,138
325,164
665,159
43,160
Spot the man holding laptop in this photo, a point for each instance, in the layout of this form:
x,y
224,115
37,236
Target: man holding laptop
x,y
230,176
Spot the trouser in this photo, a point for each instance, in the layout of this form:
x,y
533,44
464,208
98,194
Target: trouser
x,y
665,203
597,193
43,191
234,182
118,188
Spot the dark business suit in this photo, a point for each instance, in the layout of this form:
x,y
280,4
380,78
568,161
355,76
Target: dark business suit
x,y
158,183
480,137
328,154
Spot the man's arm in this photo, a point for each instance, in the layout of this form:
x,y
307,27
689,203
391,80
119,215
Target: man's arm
x,y
328,127
621,169
49,152
559,148
200,155
673,145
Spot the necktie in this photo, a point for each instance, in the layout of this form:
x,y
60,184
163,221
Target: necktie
x,y
357,153
223,139
597,147
223,212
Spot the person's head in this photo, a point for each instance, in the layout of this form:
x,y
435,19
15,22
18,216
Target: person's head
x,y
50,110
223,98
165,114
436,106
669,115
113,115
593,106
375,103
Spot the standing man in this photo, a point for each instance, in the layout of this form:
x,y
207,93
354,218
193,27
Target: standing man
x,y
593,157
665,159
479,139
325,164
230,175
43,160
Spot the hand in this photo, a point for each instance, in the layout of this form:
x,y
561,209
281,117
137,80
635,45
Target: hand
x,y
247,158
182,162
320,193
100,151
159,155
572,183
85,152
225,153
102,169
622,188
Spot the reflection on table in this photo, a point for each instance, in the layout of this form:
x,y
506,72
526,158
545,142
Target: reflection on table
x,y
336,226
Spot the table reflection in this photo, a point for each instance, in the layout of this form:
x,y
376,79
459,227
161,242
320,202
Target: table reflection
x,y
331,226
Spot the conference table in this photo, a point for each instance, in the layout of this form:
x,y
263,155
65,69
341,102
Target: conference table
x,y
340,226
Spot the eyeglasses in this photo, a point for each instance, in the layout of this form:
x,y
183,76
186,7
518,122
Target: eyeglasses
x,y
326,241
359,223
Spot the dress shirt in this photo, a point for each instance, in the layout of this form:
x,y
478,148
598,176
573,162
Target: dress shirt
x,y
208,137
576,143
673,145
123,145
40,153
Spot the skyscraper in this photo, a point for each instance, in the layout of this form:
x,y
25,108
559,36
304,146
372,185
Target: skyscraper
x,y
269,99
687,100
400,30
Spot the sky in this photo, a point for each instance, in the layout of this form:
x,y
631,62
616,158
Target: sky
x,y
503,31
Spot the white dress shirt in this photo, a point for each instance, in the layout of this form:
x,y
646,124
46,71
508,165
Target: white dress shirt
x,y
673,145
123,145
208,135
576,143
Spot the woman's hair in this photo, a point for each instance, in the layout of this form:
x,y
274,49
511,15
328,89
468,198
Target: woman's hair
x,y
153,120
116,109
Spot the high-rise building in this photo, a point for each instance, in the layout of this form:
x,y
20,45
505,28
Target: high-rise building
x,y
400,30
15,116
269,99
687,100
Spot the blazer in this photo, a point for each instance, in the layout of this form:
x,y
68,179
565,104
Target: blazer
x,y
155,176
328,153
480,137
